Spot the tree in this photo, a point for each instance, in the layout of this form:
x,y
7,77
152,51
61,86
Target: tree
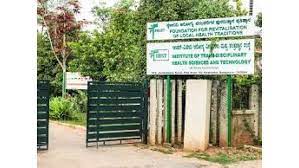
x,y
112,54
47,67
87,53
119,49
166,10
259,20
258,43
246,80
61,27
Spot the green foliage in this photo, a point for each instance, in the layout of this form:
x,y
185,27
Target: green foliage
x,y
103,14
258,40
179,10
165,150
47,67
113,54
64,109
247,80
241,90
184,9
227,156
80,99
258,141
240,97
58,22
78,118
220,158
60,108
118,52
87,57
240,11
121,53
45,59
258,43
259,20
81,120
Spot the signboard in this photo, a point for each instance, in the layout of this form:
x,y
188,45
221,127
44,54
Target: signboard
x,y
203,28
197,58
75,81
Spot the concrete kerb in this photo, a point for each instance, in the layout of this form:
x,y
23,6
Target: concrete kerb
x,y
69,125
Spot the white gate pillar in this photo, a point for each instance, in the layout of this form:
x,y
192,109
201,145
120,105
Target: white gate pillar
x,y
197,115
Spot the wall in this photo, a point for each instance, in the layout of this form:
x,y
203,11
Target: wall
x,y
242,127
158,108
246,124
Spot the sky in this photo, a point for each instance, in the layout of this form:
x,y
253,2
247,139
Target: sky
x,y
257,8
87,6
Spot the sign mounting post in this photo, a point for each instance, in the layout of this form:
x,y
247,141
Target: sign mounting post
x,y
229,108
168,112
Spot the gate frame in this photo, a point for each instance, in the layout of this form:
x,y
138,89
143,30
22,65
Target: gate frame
x,y
47,89
144,108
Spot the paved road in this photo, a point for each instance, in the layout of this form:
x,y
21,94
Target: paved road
x,y
67,150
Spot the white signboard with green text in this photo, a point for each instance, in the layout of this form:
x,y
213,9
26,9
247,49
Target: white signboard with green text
x,y
198,57
75,81
203,28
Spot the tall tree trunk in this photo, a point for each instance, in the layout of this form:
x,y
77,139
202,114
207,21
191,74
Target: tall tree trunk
x,y
51,43
64,68
64,78
64,57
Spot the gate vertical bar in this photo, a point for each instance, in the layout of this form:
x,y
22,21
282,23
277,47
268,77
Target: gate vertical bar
x,y
48,114
117,111
87,115
43,114
97,115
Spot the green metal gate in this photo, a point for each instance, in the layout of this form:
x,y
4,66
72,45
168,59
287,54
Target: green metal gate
x,y
42,114
116,111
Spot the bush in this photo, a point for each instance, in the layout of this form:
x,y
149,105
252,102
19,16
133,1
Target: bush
x,y
63,108
81,101
79,118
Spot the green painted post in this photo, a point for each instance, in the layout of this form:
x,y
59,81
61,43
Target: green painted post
x,y
229,108
168,112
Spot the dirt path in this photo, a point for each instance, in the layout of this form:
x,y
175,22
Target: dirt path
x,y
67,150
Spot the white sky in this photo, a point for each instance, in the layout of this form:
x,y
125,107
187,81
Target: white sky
x,y
257,8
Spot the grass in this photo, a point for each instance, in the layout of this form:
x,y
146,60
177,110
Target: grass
x,y
219,158
226,156
218,155
80,120
162,149
73,122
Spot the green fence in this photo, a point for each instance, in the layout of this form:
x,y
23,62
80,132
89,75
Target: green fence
x,y
116,111
42,114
